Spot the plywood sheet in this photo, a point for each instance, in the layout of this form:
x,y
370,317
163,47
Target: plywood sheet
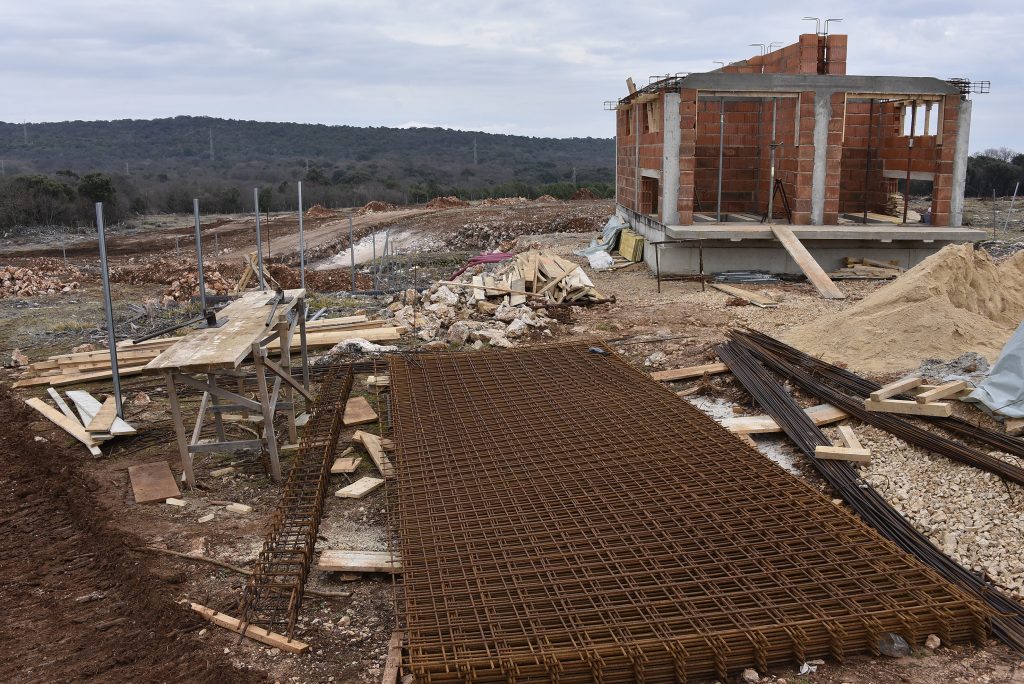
x,y
359,412
153,482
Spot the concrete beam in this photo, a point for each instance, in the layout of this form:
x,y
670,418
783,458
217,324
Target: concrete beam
x,y
822,114
670,160
831,83
963,135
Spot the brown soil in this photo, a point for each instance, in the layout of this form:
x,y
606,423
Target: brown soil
x,y
78,604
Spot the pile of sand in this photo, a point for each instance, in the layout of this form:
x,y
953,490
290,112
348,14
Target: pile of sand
x,y
449,202
955,301
376,206
546,198
319,211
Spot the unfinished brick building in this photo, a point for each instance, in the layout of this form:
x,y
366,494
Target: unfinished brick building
x,y
704,156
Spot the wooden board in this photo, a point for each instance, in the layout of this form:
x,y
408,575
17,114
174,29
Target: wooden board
x,y
375,448
225,347
153,482
822,414
941,392
690,372
806,262
910,408
894,388
359,561
848,438
72,427
359,488
251,631
59,380
61,404
104,418
359,412
752,297
88,405
344,466
834,453
393,664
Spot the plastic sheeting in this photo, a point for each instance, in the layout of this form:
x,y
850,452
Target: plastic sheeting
x,y
609,238
1002,392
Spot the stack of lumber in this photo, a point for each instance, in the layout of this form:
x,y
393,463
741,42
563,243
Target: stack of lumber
x,y
69,369
543,273
867,269
926,397
249,276
95,423
631,245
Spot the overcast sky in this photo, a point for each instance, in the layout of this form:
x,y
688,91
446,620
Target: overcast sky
x,y
516,66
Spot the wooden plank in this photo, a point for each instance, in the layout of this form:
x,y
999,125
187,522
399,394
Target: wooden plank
x,y
104,418
910,408
89,405
894,388
834,453
329,338
848,438
690,372
358,412
822,414
517,299
378,381
374,447
393,664
72,427
228,345
806,262
1014,426
345,465
153,482
288,379
752,297
359,488
251,631
941,392
60,380
333,560
61,404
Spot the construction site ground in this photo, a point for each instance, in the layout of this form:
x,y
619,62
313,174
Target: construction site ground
x,y
88,592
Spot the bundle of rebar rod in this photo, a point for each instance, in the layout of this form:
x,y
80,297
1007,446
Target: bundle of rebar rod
x,y
562,517
854,384
273,595
745,358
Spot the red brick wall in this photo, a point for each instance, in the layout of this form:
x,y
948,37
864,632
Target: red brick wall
x,y
649,145
687,152
802,57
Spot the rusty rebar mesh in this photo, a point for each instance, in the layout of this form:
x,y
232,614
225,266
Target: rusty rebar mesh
x,y
272,597
561,516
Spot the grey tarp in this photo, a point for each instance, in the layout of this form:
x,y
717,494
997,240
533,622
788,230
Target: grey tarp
x,y
1002,391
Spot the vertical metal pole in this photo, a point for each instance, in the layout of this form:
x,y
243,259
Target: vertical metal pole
x,y
352,254
109,310
910,151
657,264
1006,224
373,238
259,241
302,245
721,155
867,166
993,212
771,169
199,257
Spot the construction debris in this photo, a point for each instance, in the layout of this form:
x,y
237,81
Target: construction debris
x,y
867,269
318,211
449,202
25,282
376,206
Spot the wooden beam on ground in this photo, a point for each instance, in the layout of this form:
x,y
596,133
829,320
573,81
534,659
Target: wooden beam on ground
x,y
104,418
375,448
358,412
333,560
153,482
834,453
822,414
752,297
848,438
690,372
251,631
61,404
72,427
59,380
941,392
88,406
359,488
826,288
910,408
393,663
894,388
343,465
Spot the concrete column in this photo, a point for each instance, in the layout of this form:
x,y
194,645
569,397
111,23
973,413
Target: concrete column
x,y
963,135
822,114
670,160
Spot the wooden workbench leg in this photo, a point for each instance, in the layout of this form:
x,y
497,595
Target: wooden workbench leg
x,y
268,412
241,391
197,431
303,349
179,431
285,334
217,421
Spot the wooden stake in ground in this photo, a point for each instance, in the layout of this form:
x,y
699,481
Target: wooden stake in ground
x,y
251,631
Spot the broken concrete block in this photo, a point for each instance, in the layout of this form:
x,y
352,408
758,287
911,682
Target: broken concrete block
x,y
238,508
221,472
206,518
175,502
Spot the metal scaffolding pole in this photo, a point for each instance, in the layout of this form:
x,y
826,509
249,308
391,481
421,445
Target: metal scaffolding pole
x,y
771,168
199,257
721,155
302,245
109,311
259,241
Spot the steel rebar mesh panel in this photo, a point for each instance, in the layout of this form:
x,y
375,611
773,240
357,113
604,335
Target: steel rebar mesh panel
x,y
563,517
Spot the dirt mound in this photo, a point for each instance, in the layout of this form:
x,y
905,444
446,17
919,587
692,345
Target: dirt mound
x,y
955,301
546,198
503,201
319,211
377,206
449,202
78,604
185,285
16,281
583,194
